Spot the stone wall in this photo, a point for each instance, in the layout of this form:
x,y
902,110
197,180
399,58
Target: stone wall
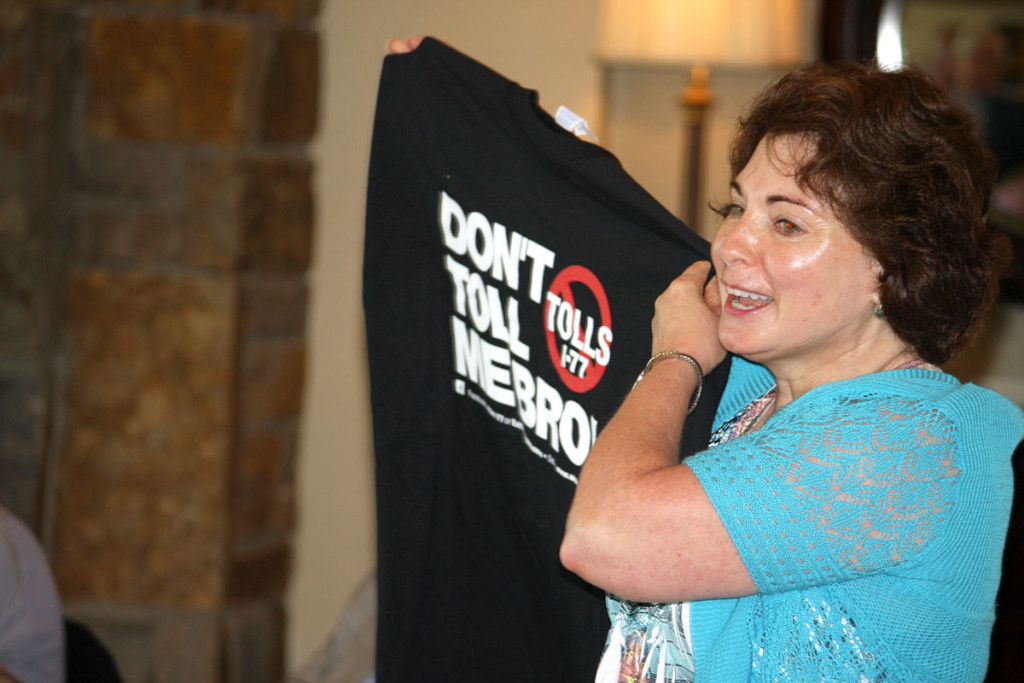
x,y
156,221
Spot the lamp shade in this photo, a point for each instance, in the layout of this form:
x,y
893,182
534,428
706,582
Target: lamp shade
x,y
718,32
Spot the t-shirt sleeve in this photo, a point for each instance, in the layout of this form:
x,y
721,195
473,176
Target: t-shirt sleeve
x,y
830,490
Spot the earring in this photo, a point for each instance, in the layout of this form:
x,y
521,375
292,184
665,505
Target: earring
x,y
879,311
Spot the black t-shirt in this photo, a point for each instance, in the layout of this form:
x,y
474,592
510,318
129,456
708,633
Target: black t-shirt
x,y
510,275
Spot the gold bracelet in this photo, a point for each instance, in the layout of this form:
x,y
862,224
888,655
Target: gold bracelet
x,y
662,355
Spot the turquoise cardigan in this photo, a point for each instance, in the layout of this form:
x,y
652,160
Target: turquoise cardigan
x,y
871,513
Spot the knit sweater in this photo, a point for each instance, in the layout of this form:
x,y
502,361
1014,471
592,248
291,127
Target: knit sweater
x,y
871,513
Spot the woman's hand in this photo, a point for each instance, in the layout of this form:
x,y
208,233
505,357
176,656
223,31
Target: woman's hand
x,y
686,317
397,46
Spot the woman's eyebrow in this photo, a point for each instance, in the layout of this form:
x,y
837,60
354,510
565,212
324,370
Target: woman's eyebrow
x,y
775,198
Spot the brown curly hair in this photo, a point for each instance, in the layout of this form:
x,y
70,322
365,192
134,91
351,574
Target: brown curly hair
x,y
904,168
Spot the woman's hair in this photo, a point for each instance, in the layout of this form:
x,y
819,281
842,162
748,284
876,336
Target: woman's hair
x,y
904,168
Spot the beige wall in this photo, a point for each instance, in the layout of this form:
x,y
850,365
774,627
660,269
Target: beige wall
x,y
545,45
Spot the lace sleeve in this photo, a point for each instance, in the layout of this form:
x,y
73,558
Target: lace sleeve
x,y
828,491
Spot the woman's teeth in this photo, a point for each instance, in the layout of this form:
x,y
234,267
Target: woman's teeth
x,y
747,301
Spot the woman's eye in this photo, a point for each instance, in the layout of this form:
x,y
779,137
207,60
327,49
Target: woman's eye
x,y
788,227
730,211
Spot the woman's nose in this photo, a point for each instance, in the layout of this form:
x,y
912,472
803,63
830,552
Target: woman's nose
x,y
734,242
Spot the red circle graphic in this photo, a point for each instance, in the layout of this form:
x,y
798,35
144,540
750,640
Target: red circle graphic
x,y
562,288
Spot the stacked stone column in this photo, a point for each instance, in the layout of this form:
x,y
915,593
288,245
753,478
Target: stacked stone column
x,y
163,207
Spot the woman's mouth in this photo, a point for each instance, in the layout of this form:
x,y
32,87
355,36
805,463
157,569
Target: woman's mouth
x,y
746,301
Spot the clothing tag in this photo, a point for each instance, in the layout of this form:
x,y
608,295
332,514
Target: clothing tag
x,y
573,122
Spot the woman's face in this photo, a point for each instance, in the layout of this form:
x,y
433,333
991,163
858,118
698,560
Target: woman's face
x,y
796,287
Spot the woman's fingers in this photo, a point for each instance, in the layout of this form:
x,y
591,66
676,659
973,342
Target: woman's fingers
x,y
686,317
397,46
712,296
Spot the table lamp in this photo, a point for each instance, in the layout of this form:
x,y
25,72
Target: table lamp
x,y
698,36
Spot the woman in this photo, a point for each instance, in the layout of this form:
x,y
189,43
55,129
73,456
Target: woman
x,y
848,522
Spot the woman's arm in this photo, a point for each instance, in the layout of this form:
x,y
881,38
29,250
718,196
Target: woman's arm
x,y
640,525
